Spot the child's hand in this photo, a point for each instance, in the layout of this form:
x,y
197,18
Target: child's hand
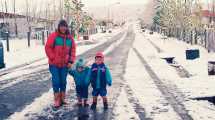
x,y
109,84
69,69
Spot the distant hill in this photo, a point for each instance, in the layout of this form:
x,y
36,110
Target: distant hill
x,y
118,12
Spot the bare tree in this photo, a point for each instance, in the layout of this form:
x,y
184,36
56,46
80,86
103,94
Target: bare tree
x,y
28,15
6,11
2,9
15,22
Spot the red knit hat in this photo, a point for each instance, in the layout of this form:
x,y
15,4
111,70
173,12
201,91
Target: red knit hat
x,y
99,54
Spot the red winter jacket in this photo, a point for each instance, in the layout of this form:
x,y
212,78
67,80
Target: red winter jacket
x,y
60,49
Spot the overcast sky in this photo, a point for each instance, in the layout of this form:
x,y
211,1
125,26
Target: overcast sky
x,y
106,2
41,4
21,4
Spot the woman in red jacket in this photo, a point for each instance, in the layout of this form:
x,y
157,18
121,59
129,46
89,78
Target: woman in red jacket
x,y
61,52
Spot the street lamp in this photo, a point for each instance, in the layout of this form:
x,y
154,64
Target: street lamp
x,y
109,12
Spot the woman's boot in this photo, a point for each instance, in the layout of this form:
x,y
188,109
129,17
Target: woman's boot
x,y
79,104
63,98
57,101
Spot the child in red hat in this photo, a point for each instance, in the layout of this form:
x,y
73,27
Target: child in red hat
x,y
100,77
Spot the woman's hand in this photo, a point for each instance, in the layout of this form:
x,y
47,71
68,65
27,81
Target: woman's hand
x,y
69,65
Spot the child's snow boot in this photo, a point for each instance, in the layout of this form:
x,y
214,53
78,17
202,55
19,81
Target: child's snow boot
x,y
86,103
79,104
105,103
93,106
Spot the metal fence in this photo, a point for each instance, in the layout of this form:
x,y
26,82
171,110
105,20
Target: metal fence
x,y
203,37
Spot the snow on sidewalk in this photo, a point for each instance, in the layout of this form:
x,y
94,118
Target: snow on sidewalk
x,y
20,53
174,47
198,85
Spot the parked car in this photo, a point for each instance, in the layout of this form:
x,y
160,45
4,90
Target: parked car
x,y
151,32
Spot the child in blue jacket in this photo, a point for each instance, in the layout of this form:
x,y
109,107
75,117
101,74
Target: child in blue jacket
x,y
81,77
100,77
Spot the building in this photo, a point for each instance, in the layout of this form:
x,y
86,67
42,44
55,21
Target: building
x,y
18,26
208,17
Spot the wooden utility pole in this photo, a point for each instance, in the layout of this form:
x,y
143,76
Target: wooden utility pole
x,y
7,16
54,15
61,10
28,15
28,22
2,10
15,23
213,11
5,6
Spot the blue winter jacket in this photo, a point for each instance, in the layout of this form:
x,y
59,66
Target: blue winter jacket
x,y
100,76
81,78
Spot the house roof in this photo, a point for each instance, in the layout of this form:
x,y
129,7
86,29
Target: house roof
x,y
207,13
10,15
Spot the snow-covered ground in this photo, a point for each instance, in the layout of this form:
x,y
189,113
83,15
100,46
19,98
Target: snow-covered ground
x,y
20,53
156,104
123,109
198,85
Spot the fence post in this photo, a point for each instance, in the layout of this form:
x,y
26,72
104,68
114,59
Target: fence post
x,y
47,33
205,39
43,38
7,41
191,37
169,32
183,35
196,35
29,38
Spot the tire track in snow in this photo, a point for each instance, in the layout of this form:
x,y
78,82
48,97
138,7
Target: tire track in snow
x,y
182,72
135,103
178,107
138,109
